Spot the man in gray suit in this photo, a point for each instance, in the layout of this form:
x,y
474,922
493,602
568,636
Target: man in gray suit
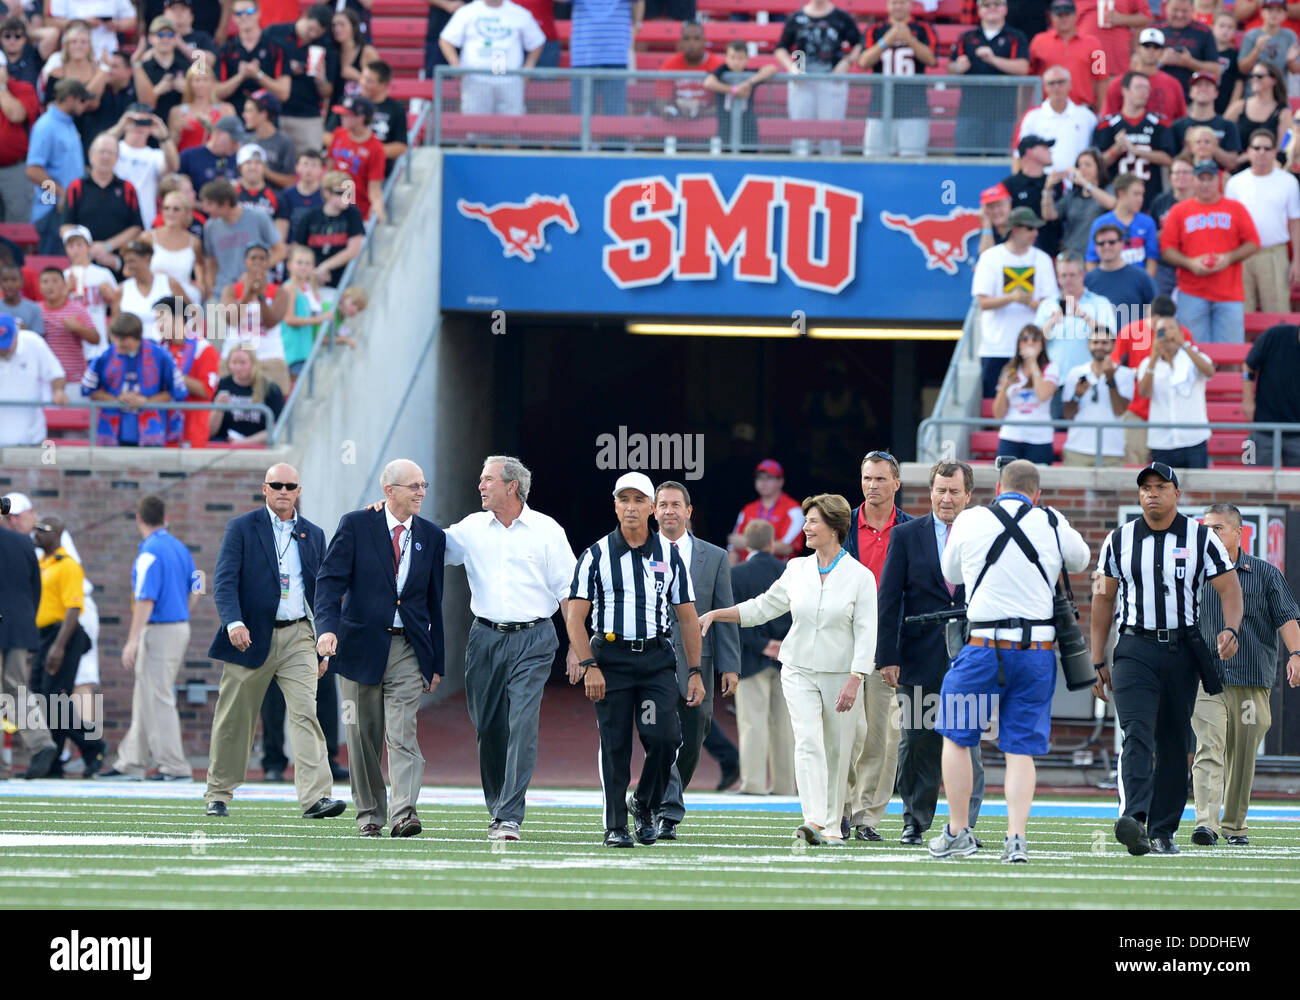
x,y
711,579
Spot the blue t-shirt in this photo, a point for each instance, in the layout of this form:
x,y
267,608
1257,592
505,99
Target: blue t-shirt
x,y
1129,289
55,144
1141,239
602,32
202,166
294,203
164,573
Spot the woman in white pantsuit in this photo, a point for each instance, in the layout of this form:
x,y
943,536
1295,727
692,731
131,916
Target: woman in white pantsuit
x,y
828,652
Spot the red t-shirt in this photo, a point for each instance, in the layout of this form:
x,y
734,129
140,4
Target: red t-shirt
x,y
543,12
13,138
204,368
873,545
1116,43
1078,55
1132,347
1167,98
786,519
1195,229
362,161
66,346
688,92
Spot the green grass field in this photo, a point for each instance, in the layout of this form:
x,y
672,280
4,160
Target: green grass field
x,y
164,854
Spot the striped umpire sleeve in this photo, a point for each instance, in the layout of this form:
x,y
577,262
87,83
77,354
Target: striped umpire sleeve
x,y
1215,553
681,590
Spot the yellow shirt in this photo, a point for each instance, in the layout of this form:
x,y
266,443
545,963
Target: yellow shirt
x,y
61,588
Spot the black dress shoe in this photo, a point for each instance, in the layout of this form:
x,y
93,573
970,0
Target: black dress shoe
x,y
729,777
95,760
642,822
42,762
1239,841
216,809
618,838
911,837
844,828
408,827
667,829
327,808
867,833
1132,835
1164,845
1203,836
273,775
339,773
371,830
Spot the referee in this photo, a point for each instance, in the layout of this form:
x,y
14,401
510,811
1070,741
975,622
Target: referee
x,y
1157,565
630,671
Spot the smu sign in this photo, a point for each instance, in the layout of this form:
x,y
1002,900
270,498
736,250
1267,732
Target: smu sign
x,y
737,237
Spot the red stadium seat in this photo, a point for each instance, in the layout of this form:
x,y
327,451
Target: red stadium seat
x,y
1225,354
66,419
648,127
1221,412
22,233
986,408
544,127
984,444
1258,322
37,262
1224,386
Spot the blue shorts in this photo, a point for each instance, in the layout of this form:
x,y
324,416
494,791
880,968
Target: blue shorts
x,y
971,698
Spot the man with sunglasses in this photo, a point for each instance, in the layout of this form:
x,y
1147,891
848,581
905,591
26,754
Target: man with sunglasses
x,y
1272,198
1127,286
24,59
160,70
250,60
264,588
385,568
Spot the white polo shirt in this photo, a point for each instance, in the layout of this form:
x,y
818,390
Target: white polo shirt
x,y
26,375
1072,129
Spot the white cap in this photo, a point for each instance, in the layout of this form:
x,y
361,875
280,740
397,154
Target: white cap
x,y
19,503
1151,35
634,481
247,152
81,231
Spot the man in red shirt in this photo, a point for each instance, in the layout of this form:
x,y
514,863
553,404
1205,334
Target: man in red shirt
x,y
1082,55
197,363
356,151
1167,98
1207,237
1121,18
1132,345
686,97
780,509
19,109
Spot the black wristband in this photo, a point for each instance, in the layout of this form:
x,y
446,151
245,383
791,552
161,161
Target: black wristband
x,y
1294,652
1229,628
694,670
1099,666
587,663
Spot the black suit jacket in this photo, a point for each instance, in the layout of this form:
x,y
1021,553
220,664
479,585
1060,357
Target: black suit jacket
x,y
912,584
20,591
356,594
246,584
749,579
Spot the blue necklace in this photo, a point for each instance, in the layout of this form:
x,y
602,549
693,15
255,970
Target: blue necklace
x,y
823,572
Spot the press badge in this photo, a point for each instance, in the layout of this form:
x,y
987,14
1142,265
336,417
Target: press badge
x,y
284,586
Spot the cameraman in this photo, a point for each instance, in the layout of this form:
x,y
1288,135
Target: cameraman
x,y
1009,556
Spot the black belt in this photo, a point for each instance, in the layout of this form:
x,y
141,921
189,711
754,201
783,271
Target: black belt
x,y
635,645
1157,634
509,626
394,630
291,621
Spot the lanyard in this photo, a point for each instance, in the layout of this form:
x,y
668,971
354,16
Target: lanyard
x,y
406,540
279,553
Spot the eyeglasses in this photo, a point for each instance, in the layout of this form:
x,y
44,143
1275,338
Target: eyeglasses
x,y
1031,336
166,34
1106,243
1261,76
277,487
413,487
993,3
11,35
245,11
142,122
1152,45
1056,83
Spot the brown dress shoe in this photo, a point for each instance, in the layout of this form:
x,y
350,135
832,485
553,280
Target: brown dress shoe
x,y
408,827
371,830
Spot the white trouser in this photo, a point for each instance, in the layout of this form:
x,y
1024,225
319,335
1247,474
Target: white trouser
x,y
492,95
908,136
823,740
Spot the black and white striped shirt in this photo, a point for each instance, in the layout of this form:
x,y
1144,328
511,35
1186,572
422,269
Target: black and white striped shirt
x,y
1160,573
630,589
1268,606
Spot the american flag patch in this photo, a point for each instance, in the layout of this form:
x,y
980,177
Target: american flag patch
x,y
1183,553
656,566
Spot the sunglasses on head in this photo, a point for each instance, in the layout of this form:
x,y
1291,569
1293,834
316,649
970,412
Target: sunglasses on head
x,y
878,456
277,487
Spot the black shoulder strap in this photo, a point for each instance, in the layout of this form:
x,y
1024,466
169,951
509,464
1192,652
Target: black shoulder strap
x,y
1065,577
1014,533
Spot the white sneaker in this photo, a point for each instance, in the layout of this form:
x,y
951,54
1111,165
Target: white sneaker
x,y
505,830
948,845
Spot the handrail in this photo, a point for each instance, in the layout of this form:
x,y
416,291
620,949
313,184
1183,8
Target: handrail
x,y
1276,429
307,376
948,388
95,405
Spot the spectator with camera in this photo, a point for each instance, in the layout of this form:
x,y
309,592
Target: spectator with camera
x,y
140,163
1087,197
1173,377
1096,391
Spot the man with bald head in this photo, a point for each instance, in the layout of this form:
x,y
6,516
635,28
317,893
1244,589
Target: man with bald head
x,y
379,612
105,204
265,591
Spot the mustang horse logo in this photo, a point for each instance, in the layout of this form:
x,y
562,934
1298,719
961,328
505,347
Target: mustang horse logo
x,y
520,227
942,238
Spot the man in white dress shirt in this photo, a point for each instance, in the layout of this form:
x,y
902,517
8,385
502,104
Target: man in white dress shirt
x,y
520,566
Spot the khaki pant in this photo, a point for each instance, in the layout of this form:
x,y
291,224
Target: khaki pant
x,y
1080,459
765,736
873,764
1136,451
306,133
379,714
291,663
823,739
1264,279
155,731
1228,729
33,728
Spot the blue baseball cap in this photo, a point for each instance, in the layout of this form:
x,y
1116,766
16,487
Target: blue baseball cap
x,y
8,332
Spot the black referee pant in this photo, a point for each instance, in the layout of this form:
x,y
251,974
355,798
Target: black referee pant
x,y
640,691
1155,692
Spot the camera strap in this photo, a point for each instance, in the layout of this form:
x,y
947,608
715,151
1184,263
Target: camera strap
x,y
1012,532
1065,577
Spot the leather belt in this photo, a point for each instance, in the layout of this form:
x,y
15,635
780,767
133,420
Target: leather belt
x,y
634,645
509,626
1158,634
1009,643
391,630
287,623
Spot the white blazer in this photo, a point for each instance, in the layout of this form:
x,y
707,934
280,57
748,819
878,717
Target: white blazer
x,y
834,624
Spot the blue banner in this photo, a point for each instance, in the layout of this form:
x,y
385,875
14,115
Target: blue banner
x,y
710,237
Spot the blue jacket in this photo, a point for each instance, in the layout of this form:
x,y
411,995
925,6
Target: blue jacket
x,y
851,543
20,592
246,584
749,579
912,584
356,595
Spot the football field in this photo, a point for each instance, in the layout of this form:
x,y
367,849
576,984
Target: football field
x,y
87,846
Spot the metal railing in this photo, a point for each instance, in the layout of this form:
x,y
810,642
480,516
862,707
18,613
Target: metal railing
x,y
95,405
643,110
306,382
927,453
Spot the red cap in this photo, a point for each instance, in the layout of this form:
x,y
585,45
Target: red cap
x,y
771,467
997,192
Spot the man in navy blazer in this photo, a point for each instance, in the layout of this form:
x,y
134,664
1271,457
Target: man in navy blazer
x,y
264,588
914,658
380,619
